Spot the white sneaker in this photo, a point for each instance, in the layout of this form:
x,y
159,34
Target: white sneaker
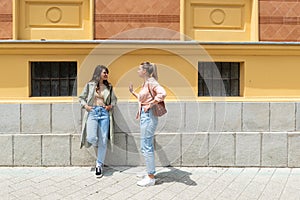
x,y
146,181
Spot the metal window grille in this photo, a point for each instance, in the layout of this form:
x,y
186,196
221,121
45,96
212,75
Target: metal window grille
x,y
53,79
218,79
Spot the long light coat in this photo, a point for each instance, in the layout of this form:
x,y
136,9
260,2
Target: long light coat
x,y
87,96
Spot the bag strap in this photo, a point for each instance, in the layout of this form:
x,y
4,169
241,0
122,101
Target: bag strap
x,y
110,91
150,91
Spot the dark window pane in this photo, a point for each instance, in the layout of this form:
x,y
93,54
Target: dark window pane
x,y
235,72
35,88
64,89
55,88
64,71
53,78
72,88
218,79
235,88
55,70
73,70
45,70
225,71
45,88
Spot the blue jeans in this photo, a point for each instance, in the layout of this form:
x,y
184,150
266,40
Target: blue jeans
x,y
148,124
97,131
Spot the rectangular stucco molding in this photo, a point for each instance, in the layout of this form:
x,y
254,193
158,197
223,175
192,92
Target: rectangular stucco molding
x,y
6,150
10,118
282,117
255,117
194,147
27,150
56,150
221,149
35,118
274,149
248,147
294,149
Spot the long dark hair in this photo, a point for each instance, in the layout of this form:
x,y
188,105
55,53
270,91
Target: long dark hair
x,y
97,74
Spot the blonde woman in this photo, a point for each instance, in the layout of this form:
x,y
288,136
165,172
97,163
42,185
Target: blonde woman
x,y
148,121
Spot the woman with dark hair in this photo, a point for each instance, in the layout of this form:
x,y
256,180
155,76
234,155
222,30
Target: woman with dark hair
x,y
150,94
98,99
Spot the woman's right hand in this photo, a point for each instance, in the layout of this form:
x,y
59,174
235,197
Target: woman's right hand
x,y
130,88
88,108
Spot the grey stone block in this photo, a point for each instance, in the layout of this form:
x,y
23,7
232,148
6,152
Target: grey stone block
x,y
35,118
81,157
228,117
6,150
221,149
173,120
125,118
10,118
117,153
56,150
27,150
282,117
297,116
194,149
167,149
293,150
199,116
248,149
134,156
274,150
255,117
66,118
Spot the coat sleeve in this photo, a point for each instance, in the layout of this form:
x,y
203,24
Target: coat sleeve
x,y
160,93
83,96
113,98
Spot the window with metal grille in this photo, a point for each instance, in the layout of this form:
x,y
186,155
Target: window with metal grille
x,y
218,79
53,79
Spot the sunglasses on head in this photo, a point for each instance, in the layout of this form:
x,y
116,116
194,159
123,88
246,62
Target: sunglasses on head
x,y
145,63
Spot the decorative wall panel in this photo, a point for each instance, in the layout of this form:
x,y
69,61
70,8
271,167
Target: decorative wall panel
x,y
216,20
54,20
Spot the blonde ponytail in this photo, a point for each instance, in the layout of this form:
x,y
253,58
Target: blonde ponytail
x,y
154,73
151,69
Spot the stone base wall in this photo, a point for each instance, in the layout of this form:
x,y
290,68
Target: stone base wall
x,y
234,134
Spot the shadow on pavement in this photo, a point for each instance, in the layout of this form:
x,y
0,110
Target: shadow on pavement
x,y
174,175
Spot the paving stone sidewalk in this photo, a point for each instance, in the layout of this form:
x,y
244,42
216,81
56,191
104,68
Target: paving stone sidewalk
x,y
172,183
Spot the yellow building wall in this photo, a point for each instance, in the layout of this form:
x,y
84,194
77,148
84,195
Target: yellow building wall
x,y
268,72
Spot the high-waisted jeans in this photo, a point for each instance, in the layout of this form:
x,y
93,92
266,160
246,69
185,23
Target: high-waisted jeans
x,y
148,124
97,131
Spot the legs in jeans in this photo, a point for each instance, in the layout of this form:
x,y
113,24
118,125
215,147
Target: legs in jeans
x,y
148,124
97,131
